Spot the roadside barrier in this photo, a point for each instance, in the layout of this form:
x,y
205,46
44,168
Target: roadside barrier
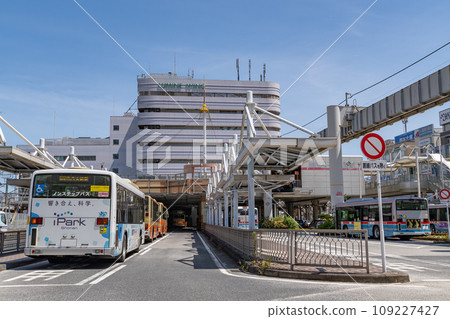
x,y
306,247
12,241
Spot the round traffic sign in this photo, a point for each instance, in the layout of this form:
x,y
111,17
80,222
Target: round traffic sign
x,y
373,146
444,194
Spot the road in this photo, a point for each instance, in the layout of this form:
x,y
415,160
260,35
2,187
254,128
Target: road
x,y
183,266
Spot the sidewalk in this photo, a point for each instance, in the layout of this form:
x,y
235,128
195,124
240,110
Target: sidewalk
x,y
15,259
335,274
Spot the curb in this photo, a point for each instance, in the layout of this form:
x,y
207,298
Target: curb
x,y
18,263
396,277
334,277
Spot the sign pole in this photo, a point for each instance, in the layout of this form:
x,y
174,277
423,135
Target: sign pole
x,y
380,213
444,194
448,223
373,146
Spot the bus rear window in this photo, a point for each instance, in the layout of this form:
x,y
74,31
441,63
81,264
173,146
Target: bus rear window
x,y
72,186
411,204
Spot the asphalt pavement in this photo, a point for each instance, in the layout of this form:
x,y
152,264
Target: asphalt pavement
x,y
185,266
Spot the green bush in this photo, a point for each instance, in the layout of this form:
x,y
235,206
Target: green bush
x,y
290,222
267,223
328,224
280,223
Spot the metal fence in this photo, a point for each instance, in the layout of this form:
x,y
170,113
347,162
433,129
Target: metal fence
x,y
12,241
17,221
309,247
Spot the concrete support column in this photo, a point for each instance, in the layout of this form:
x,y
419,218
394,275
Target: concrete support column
x,y
290,209
316,209
225,208
335,156
210,212
220,213
235,208
251,163
268,207
251,193
216,213
211,218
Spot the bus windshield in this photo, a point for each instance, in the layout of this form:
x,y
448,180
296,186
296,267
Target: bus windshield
x,y
72,186
411,204
3,218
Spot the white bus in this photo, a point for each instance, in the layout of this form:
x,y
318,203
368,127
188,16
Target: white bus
x,y
403,216
243,217
83,213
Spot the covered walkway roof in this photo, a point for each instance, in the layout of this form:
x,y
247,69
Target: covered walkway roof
x,y
14,160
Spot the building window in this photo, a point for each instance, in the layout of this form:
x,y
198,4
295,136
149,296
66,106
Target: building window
x,y
115,127
115,156
115,142
87,157
115,170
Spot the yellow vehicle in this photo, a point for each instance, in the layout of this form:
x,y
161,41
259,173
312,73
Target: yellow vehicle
x,y
155,219
179,219
163,219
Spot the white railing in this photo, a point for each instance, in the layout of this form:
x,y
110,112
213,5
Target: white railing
x,y
310,247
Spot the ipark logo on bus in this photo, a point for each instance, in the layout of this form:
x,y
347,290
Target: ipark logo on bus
x,y
69,222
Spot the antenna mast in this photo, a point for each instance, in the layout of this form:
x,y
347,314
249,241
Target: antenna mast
x,y
237,68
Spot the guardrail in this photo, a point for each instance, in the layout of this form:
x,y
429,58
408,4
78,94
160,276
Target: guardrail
x,y
308,247
12,241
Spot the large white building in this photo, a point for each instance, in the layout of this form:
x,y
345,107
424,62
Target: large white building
x,y
167,131
170,111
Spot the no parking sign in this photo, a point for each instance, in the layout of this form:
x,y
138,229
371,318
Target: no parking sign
x,y
373,146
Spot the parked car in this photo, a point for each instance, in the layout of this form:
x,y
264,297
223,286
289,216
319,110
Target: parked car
x,y
302,223
316,223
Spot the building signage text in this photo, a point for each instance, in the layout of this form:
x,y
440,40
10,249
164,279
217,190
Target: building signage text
x,y
444,117
180,86
412,135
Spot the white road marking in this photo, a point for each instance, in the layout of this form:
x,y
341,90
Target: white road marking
x,y
36,285
44,274
107,275
405,267
95,276
414,260
145,251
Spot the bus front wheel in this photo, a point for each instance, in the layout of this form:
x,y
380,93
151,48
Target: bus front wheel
x,y
376,232
433,228
123,255
345,228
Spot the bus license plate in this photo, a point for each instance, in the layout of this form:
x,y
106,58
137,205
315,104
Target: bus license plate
x,y
68,242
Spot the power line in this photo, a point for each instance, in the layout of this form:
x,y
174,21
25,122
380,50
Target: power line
x,y
394,74
320,116
375,84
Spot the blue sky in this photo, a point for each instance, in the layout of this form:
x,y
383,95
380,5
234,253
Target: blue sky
x,y
61,75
